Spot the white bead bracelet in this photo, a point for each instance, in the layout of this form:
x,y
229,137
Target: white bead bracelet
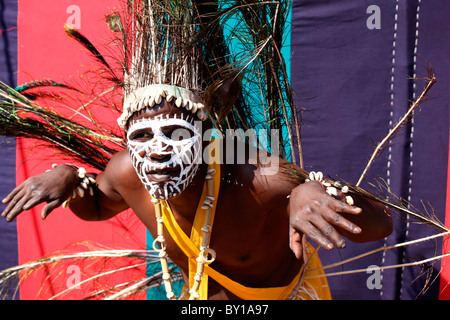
x,y
330,189
84,185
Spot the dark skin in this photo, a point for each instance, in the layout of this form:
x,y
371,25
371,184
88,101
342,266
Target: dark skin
x,y
259,222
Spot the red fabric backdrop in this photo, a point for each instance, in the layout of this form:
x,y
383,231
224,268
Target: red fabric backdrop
x,y
46,52
445,265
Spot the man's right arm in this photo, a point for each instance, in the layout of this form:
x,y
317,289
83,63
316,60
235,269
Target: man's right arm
x,y
55,186
106,201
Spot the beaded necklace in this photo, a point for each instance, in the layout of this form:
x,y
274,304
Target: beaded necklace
x,y
206,255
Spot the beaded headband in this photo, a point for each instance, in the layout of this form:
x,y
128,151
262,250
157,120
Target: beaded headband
x,y
153,94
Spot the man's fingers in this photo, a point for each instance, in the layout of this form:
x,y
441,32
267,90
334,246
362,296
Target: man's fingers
x,y
20,200
295,243
12,194
32,203
15,206
12,200
329,232
337,220
342,207
49,207
324,229
315,234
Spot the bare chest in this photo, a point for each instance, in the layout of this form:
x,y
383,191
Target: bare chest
x,y
250,243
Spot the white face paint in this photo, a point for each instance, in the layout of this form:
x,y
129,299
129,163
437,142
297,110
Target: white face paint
x,y
166,153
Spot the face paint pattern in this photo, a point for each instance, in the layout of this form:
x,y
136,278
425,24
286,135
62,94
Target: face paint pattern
x,y
160,153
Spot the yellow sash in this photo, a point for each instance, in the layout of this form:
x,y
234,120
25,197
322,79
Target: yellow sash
x,y
190,247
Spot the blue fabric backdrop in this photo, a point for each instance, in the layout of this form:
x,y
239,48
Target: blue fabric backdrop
x,y
8,69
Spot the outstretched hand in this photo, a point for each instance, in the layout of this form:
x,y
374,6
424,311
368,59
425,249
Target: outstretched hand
x,y
53,187
316,214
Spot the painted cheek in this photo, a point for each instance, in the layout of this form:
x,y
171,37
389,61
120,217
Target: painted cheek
x,y
141,152
137,153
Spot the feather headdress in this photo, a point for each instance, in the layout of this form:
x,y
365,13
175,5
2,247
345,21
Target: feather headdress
x,y
161,57
201,54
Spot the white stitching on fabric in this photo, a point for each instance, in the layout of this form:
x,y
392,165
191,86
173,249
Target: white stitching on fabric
x,y
391,115
411,136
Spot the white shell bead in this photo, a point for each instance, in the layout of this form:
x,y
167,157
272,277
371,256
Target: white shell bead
x,y
141,104
319,176
170,295
332,191
198,277
178,102
349,200
195,295
80,192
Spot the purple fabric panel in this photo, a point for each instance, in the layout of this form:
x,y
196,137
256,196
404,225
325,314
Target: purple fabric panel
x,y
8,69
428,134
354,83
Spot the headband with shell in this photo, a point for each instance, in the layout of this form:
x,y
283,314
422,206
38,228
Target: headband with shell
x,y
153,94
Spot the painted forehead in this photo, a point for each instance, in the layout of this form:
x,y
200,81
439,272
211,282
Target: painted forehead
x,y
152,95
164,110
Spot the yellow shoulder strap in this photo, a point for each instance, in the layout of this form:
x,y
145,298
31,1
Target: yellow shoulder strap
x,y
191,246
196,232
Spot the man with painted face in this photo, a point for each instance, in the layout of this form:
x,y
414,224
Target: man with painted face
x,y
255,240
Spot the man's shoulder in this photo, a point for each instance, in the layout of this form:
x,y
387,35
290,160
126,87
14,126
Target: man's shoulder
x,y
122,155
267,180
274,169
120,166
